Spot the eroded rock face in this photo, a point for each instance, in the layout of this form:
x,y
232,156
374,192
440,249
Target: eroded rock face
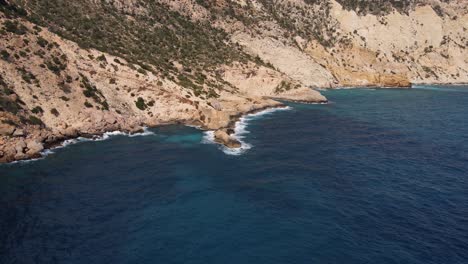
x,y
34,147
222,137
19,147
6,130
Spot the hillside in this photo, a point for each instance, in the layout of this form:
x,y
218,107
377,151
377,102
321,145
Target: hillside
x,y
79,68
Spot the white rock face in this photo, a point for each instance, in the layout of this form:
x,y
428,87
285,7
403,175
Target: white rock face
x,y
287,59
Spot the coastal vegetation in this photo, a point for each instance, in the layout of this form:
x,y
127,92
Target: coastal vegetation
x,y
285,86
141,104
90,91
157,37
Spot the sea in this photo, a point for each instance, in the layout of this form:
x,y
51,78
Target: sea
x,y
374,176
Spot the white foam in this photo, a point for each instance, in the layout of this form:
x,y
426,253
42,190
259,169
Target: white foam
x,y
105,136
240,132
344,88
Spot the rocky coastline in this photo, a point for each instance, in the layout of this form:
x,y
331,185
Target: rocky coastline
x,y
31,145
65,77
26,146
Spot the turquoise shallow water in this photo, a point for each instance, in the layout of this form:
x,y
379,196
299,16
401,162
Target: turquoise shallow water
x,y
376,176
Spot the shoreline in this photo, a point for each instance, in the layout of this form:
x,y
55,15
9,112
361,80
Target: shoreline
x,y
390,87
439,84
80,137
233,120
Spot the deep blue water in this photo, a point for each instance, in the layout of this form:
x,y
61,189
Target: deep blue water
x,y
377,176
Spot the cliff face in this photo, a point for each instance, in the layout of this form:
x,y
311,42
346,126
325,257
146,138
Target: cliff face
x,y
80,68
329,43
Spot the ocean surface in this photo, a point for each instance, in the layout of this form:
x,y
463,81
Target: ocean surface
x,y
376,176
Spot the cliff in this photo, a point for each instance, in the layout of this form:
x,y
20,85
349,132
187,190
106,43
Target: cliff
x,y
71,69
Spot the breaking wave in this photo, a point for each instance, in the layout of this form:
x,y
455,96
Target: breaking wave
x,y
105,136
240,132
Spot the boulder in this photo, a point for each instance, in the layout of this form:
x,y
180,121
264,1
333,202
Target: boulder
x,y
20,156
34,147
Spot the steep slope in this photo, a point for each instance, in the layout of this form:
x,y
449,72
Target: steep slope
x,y
52,89
357,43
78,68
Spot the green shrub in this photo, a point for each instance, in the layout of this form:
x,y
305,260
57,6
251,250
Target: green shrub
x,y
9,122
37,110
142,71
11,9
52,67
140,104
33,120
26,75
91,91
5,55
88,93
102,58
8,105
42,42
54,112
15,27
146,67
285,86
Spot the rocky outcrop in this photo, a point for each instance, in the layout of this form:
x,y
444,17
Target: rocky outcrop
x,y
34,148
222,137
